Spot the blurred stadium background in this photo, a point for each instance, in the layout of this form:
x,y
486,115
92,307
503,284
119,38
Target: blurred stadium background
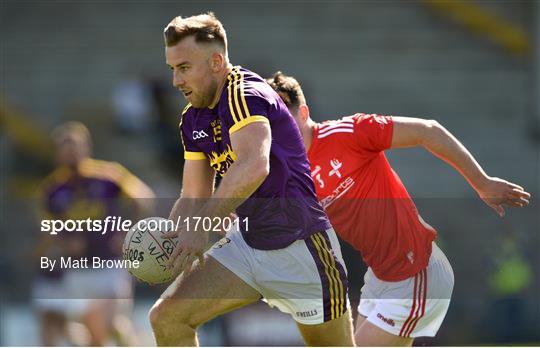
x,y
472,65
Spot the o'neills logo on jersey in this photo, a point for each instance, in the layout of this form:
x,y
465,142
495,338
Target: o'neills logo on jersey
x,y
343,187
306,313
386,320
199,134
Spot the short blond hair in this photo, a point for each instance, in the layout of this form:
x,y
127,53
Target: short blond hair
x,y
204,28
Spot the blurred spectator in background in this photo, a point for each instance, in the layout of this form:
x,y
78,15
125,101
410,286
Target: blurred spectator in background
x,y
144,104
511,277
81,188
133,105
167,124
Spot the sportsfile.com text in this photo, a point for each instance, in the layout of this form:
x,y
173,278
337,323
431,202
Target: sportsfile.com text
x,y
120,224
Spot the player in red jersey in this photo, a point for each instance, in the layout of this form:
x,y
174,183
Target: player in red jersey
x,y
409,282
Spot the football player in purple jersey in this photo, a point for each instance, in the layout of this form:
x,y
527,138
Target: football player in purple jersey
x,y
284,250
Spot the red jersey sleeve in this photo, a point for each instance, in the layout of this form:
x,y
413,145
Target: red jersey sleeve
x,y
373,132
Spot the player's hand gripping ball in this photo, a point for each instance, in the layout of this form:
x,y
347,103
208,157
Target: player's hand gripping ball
x,y
143,243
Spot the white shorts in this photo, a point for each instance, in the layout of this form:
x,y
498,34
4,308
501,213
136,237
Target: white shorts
x,y
414,307
48,294
82,287
307,279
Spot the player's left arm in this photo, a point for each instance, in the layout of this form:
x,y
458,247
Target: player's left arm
x,y
495,192
251,145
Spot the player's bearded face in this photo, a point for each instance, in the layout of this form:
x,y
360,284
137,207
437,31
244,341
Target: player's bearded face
x,y
201,86
207,96
192,73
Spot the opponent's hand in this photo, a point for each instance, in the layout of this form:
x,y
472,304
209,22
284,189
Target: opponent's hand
x,y
191,246
497,192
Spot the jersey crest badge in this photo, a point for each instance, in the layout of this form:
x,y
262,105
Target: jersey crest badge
x,y
336,166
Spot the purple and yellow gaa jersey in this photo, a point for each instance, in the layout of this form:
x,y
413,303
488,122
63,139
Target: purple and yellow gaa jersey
x,y
284,208
95,189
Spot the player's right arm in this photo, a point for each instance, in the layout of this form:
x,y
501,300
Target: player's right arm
x,y
197,177
411,132
197,187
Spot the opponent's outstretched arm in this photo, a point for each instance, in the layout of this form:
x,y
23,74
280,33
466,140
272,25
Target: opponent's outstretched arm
x,y
495,192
